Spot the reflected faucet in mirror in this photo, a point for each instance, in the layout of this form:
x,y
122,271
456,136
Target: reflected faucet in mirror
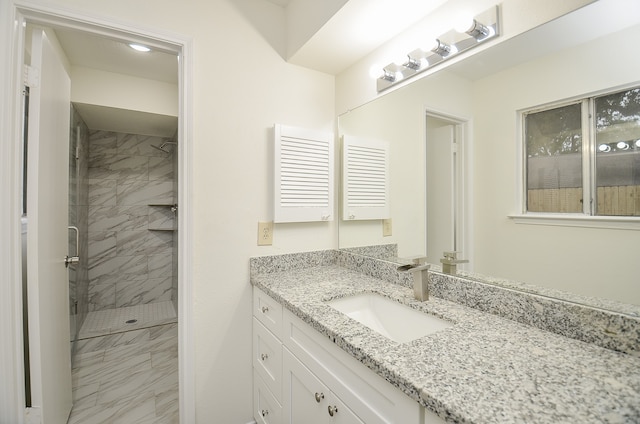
x,y
450,262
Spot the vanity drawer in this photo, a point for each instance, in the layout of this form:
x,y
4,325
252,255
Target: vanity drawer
x,y
267,311
267,358
367,394
266,409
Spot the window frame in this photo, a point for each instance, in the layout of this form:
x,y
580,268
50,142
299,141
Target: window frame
x,y
587,217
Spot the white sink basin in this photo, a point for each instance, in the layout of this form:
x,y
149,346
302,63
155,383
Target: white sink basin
x,y
393,320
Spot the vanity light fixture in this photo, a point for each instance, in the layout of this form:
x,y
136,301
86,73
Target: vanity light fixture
x,y
474,29
604,148
409,62
443,49
473,32
139,48
379,72
388,76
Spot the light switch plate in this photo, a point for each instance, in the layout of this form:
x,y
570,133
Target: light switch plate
x,y
265,233
386,227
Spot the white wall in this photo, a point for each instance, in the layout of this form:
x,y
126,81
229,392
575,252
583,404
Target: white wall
x,y
590,261
241,87
96,87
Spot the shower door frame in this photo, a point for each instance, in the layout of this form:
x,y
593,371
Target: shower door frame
x,y
14,15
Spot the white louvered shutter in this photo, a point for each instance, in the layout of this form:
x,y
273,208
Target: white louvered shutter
x,y
303,175
365,179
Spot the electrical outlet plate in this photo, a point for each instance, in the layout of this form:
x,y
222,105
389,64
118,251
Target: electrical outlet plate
x,y
386,227
265,233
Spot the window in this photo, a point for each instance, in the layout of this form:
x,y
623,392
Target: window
x,y
584,157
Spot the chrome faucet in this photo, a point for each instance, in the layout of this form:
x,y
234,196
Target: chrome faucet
x,y
450,262
420,270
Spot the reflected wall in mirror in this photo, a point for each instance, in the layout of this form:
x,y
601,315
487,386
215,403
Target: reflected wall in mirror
x,y
405,120
587,52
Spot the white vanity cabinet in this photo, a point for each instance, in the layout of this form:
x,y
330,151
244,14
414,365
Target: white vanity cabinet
x,y
301,377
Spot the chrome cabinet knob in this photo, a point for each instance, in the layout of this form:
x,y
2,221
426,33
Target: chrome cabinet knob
x,y
265,309
264,356
332,410
264,412
319,397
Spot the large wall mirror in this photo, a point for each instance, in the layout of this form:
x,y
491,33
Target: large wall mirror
x,y
456,159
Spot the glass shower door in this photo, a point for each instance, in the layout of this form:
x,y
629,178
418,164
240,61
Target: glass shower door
x,y
74,201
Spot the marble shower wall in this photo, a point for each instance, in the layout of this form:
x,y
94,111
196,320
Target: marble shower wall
x,y
78,216
131,224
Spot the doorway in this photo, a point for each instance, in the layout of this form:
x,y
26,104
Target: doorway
x,y
177,163
447,187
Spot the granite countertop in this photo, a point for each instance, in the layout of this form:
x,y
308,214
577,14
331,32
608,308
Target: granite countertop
x,y
483,369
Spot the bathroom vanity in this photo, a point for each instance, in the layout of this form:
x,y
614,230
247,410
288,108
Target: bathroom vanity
x,y
301,376
313,363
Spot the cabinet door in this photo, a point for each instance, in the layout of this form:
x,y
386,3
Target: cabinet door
x,y
338,412
307,400
303,395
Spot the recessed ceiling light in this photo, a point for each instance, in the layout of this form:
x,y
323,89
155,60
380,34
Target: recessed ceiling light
x,y
139,47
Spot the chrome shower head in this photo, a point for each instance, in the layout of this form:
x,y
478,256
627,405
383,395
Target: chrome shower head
x,y
159,148
162,146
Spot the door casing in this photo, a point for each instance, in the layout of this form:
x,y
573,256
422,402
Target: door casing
x,y
463,192
13,15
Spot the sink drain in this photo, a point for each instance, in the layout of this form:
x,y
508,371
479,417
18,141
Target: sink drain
x,y
131,321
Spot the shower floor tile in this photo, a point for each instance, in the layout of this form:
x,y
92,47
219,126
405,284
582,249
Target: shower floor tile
x,y
111,321
132,383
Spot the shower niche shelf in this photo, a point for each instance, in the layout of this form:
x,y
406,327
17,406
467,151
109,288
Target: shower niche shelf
x,y
162,216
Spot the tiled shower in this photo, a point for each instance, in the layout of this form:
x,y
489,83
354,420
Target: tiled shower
x,y
124,203
124,290
131,221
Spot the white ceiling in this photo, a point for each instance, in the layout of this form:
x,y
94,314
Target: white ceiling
x,y
358,28
349,34
98,52
110,55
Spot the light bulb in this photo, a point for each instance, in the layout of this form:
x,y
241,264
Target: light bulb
x,y
622,145
376,71
401,60
464,23
638,143
468,25
139,48
604,148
